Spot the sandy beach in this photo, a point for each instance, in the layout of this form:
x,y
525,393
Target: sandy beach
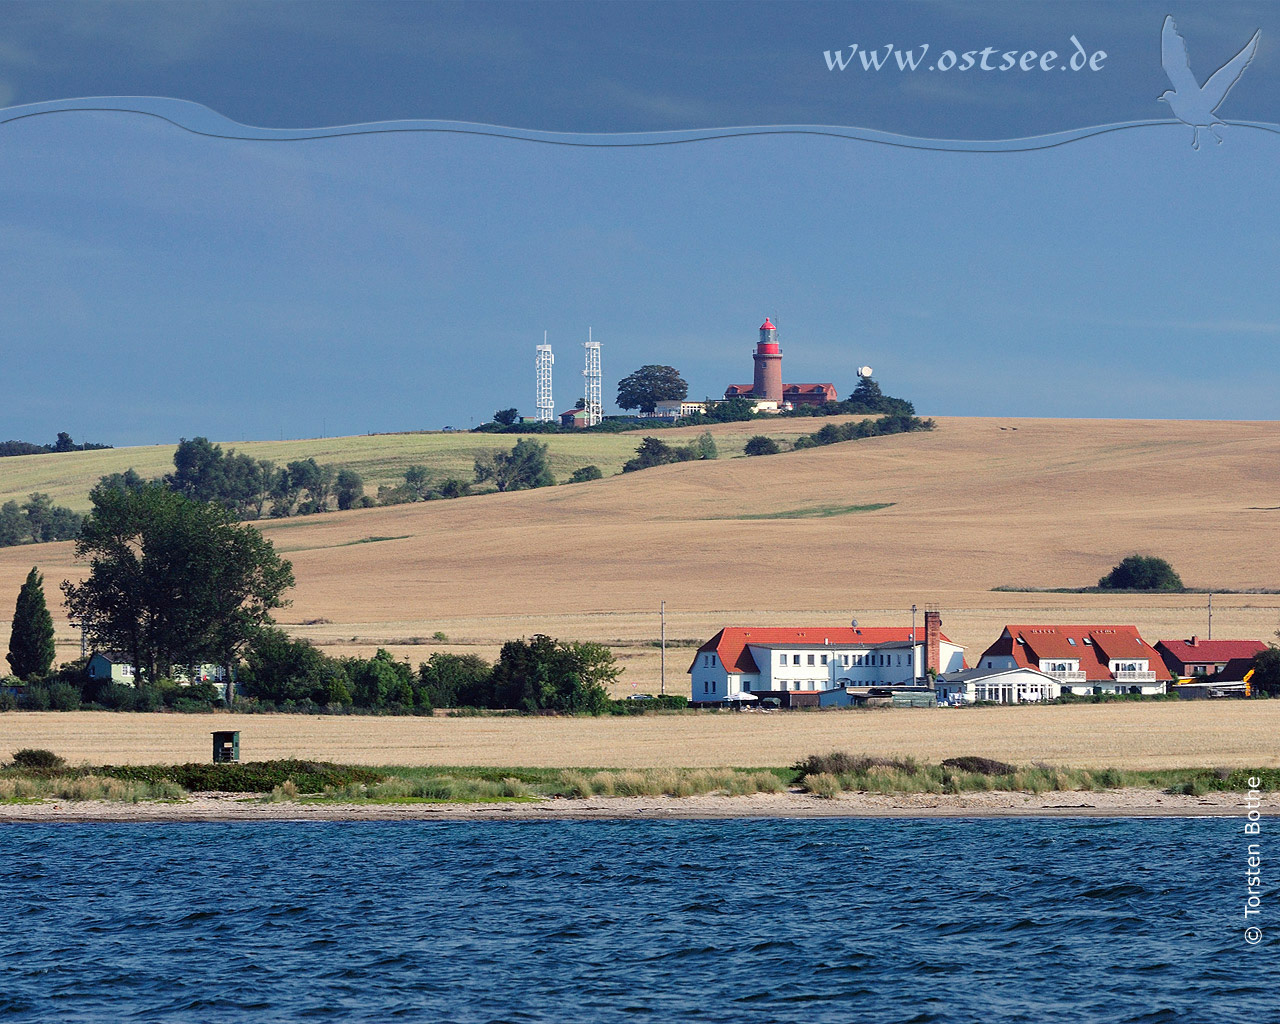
x,y
239,807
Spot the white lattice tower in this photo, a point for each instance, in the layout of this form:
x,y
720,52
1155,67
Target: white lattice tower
x,y
546,405
594,396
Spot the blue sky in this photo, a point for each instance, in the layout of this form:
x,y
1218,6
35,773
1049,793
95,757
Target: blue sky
x,y
161,284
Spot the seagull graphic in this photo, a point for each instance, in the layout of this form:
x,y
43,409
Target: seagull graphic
x,y
1191,103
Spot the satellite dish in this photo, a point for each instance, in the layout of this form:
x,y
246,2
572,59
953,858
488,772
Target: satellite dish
x,y
864,371
854,623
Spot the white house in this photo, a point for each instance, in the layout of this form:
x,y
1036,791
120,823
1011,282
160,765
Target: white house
x,y
747,663
1083,659
118,667
1002,685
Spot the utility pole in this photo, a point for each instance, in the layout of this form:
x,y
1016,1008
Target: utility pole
x,y
663,678
1210,616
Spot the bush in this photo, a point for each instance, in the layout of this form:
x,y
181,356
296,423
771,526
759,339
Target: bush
x,y
249,777
37,758
761,445
840,763
1141,572
979,765
585,474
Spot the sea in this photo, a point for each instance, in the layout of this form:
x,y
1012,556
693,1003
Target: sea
x,y
926,921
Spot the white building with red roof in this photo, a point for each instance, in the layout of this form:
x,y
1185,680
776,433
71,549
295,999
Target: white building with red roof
x,y
742,663
1084,659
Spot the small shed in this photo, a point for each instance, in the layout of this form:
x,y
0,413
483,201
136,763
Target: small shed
x,y
226,747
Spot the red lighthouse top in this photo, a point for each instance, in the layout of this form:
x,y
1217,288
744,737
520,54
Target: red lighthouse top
x,y
767,325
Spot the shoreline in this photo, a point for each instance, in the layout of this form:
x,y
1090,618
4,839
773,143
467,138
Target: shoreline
x,y
228,807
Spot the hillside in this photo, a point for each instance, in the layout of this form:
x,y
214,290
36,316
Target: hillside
x,y
975,504
379,458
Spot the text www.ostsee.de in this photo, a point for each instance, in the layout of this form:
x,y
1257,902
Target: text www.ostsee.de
x,y
989,58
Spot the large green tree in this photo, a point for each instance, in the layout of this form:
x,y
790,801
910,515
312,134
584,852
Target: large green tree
x,y
1141,572
173,581
1266,672
546,674
650,385
520,469
31,642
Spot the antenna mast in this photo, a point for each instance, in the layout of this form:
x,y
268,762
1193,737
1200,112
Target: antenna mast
x,y
543,363
594,407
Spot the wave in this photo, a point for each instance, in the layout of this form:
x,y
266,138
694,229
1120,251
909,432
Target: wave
x,y
201,120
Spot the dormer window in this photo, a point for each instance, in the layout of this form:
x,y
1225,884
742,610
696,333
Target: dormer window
x,y
1071,640
1088,642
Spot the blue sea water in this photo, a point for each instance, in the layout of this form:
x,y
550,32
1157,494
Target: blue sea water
x,y
907,920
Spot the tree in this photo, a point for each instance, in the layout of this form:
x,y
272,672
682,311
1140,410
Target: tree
x,y
381,681
653,451
349,488
586,473
454,681
705,446
761,445
31,647
545,674
1266,673
733,410
279,668
522,468
506,416
172,581
867,394
417,481
649,385
1141,572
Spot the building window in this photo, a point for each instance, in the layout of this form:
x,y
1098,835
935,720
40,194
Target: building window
x,y
908,657
824,659
782,659
795,659
746,685
810,659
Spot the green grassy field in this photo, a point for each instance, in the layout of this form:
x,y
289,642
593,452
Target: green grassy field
x,y
379,458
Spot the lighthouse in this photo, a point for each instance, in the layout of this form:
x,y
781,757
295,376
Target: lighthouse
x,y
768,358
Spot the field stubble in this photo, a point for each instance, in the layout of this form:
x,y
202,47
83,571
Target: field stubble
x,y
1127,736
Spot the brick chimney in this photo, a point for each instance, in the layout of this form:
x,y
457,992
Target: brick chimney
x,y
1195,641
932,641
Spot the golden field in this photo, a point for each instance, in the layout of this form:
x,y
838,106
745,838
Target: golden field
x,y
1131,736
975,504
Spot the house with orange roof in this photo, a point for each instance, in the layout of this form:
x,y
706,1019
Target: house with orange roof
x,y
742,664
1084,659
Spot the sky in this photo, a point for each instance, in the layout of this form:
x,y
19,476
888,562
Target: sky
x,y
163,284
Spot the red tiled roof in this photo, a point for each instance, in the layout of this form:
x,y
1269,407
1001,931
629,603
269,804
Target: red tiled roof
x,y
1207,652
1050,643
808,388
731,643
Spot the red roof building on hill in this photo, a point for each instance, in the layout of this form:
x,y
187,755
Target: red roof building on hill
x,y
1196,657
1085,659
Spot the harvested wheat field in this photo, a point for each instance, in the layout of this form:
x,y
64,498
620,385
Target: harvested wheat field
x,y
790,539
1163,735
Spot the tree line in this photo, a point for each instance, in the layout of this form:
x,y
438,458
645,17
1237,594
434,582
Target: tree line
x,y
36,521
63,443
